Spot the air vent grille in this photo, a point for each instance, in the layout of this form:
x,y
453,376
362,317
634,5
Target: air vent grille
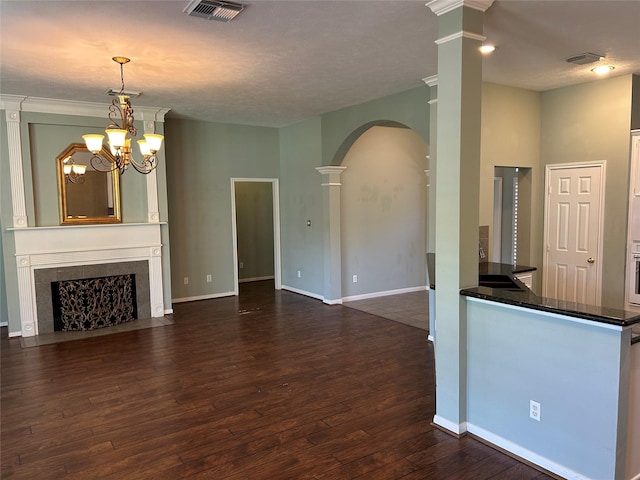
x,y
112,92
221,11
584,58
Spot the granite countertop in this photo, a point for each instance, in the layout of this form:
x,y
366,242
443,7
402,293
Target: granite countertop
x,y
484,268
523,297
492,268
528,299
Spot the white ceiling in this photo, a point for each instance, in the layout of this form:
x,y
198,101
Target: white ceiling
x,y
281,61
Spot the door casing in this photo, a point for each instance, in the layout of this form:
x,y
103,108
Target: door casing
x,y
277,270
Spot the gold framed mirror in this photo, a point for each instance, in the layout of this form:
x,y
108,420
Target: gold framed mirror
x,y
85,195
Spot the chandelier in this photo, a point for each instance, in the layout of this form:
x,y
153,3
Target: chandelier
x,y
73,172
120,130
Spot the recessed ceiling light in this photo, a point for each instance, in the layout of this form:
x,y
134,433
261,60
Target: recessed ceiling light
x,y
487,48
602,69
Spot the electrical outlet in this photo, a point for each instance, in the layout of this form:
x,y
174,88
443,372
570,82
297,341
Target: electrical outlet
x,y
209,278
534,410
299,274
241,264
355,279
186,280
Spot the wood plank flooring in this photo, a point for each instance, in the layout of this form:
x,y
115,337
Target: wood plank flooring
x,y
268,385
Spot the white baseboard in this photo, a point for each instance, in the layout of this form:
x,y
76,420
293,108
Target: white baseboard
x,y
4,324
525,454
202,297
168,311
457,428
385,293
431,338
337,301
14,334
256,279
302,292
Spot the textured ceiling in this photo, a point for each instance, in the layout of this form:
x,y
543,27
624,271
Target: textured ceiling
x,y
281,61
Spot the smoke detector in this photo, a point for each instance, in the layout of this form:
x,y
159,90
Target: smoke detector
x,y
219,10
584,58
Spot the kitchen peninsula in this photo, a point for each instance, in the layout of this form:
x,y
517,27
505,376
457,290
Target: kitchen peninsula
x,y
579,364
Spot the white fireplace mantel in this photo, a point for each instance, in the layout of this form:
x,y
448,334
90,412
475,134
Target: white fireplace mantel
x,y
71,245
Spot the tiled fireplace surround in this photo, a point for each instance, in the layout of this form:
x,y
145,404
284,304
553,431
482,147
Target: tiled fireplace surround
x,y
45,276
86,251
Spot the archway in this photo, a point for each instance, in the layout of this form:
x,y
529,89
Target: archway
x,y
383,211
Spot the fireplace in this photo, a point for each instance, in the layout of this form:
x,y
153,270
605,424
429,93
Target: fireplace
x,y
91,296
63,253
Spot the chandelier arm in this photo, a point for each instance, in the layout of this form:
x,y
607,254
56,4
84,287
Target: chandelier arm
x,y
147,166
121,117
129,119
115,113
74,178
102,164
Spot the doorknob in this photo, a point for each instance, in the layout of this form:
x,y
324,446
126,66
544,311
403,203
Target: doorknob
x,y
591,260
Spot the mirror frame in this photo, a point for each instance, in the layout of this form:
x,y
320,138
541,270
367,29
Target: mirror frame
x,y
62,189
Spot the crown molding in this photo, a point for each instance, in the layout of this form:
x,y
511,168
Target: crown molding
x,y
73,107
440,7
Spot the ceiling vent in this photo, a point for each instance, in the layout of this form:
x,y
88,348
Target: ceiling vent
x,y
584,58
221,11
112,92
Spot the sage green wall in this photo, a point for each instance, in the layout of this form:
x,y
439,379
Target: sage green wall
x,y
586,123
383,212
410,108
300,202
201,159
511,138
254,227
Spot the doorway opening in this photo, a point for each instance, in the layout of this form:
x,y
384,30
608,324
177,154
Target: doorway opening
x,y
511,215
256,231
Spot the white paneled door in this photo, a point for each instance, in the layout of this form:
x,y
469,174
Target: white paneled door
x,y
573,232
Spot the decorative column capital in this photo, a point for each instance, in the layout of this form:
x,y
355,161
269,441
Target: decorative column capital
x,y
440,7
431,81
333,171
12,104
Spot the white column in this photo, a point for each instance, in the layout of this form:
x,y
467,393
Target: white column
x,y
26,292
331,216
152,184
432,82
15,165
155,282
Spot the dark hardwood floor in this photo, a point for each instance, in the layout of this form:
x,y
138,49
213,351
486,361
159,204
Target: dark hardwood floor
x,y
268,385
